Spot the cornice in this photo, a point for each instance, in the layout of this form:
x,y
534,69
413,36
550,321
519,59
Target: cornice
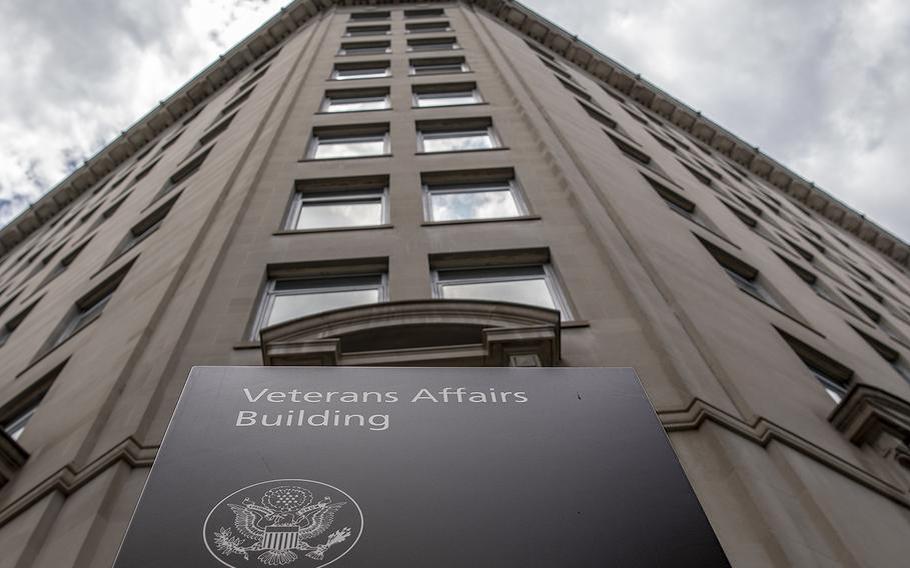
x,y
762,432
512,14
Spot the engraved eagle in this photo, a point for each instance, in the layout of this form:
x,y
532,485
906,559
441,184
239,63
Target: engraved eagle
x,y
282,522
251,519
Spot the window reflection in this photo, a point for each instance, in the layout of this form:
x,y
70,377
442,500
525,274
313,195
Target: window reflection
x,y
342,74
472,202
534,285
447,98
455,141
352,104
355,209
352,147
290,299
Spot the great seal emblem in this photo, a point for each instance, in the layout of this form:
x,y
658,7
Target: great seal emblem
x,y
283,522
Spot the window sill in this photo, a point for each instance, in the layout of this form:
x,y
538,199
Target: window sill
x,y
499,149
345,112
305,160
471,221
481,103
331,230
246,345
573,324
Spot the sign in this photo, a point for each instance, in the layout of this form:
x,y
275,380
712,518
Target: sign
x,y
416,467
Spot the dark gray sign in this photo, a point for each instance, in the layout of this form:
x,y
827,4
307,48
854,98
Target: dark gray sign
x,y
488,467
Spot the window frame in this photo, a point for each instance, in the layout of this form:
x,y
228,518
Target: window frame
x,y
420,45
266,302
472,187
440,91
331,96
313,149
375,47
441,132
385,66
549,276
336,196
437,66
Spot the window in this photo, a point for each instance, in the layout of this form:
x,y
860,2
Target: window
x,y
287,299
697,174
438,66
148,225
170,141
215,131
365,47
14,322
364,141
357,31
427,27
533,284
629,150
815,283
266,60
377,15
555,68
833,377
333,203
446,94
424,13
362,70
834,388
235,103
577,91
743,275
251,81
64,263
15,425
433,44
492,196
184,172
87,309
678,203
456,136
599,116
192,116
354,101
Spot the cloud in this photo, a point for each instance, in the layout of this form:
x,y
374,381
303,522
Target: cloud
x,y
819,85
84,71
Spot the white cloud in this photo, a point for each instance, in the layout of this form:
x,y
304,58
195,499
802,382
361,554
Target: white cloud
x,y
77,73
819,85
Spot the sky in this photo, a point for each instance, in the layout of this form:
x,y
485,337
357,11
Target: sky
x,y
820,85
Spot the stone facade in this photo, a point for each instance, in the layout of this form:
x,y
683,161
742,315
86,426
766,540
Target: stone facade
x,y
748,303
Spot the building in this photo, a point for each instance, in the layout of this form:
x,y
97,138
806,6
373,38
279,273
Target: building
x,y
414,169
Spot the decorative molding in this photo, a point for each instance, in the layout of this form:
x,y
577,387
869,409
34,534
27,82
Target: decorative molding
x,y
486,333
868,412
67,480
763,432
516,16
